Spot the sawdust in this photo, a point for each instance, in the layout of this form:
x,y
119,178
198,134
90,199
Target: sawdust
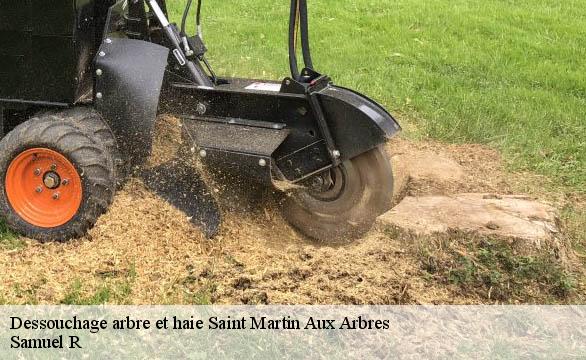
x,y
152,248
167,142
140,232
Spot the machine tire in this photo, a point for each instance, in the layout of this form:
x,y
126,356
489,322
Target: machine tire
x,y
82,175
92,124
366,193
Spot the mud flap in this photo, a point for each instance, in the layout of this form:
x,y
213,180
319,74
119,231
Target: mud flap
x,y
180,184
129,77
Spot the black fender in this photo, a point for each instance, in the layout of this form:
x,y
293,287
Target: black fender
x,y
129,77
357,123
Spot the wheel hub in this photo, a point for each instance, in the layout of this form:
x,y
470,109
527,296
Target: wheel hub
x,y
46,201
329,185
52,180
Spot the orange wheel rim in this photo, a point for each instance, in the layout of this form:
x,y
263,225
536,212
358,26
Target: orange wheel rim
x,y
43,187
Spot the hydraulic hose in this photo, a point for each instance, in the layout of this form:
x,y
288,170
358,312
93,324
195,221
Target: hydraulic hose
x,y
293,39
184,18
198,19
299,23
304,25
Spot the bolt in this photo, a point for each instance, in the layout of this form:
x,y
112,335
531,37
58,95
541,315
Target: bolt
x,y
200,109
39,189
99,95
51,180
203,153
102,54
56,196
287,82
37,172
336,153
108,41
65,182
262,162
54,167
99,72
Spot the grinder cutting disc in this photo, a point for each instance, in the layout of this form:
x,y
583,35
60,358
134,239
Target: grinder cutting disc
x,y
181,185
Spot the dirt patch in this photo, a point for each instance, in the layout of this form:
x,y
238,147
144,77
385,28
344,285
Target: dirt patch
x,y
415,167
144,251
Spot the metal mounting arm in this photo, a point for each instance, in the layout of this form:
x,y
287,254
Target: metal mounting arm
x,y
193,66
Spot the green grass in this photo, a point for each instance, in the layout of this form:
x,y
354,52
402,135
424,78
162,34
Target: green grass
x,y
492,270
8,239
506,73
115,288
75,295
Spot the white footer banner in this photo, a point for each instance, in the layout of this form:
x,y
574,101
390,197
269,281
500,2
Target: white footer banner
x,y
269,332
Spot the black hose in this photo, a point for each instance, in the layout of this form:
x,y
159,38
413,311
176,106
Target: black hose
x,y
184,18
198,16
292,40
304,25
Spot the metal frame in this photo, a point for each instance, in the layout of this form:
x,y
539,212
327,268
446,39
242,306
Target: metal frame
x,y
325,124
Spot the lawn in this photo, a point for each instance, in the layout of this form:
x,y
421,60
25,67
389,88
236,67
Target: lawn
x,y
510,74
507,73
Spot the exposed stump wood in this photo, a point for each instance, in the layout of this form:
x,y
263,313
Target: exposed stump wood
x,y
506,216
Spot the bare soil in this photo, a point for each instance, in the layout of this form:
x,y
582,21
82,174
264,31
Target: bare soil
x,y
144,251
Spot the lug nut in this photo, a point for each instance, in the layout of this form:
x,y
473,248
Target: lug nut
x,y
39,189
99,72
54,167
56,196
203,153
336,153
37,172
65,182
262,162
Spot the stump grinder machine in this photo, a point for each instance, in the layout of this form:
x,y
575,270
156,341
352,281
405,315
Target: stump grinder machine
x,y
82,83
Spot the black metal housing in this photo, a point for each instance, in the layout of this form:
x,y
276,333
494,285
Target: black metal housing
x,y
121,59
357,124
47,50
